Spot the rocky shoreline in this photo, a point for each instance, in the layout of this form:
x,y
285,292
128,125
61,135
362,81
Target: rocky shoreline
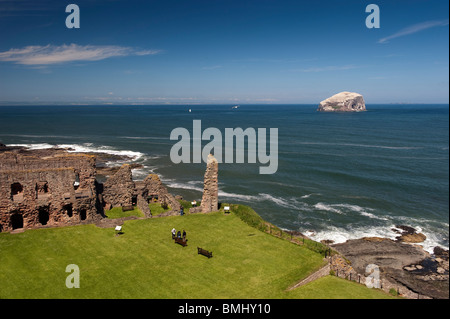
x,y
102,159
404,266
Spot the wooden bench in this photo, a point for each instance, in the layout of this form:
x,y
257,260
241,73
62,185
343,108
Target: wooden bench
x,y
181,241
204,252
127,208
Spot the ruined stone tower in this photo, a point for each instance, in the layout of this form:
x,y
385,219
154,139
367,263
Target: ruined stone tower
x,y
210,199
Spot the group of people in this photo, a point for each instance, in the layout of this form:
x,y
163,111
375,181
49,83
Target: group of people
x,y
178,234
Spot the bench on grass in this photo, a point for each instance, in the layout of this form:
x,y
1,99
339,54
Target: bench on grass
x,y
181,241
204,252
127,208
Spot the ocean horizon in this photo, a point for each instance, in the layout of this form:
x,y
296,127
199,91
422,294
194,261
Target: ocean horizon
x,y
340,175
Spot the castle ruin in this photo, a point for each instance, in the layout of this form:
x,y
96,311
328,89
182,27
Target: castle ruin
x,y
210,198
51,191
55,188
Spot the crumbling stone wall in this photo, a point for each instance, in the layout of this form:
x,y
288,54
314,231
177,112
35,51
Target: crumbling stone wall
x,y
55,191
119,189
154,190
54,188
210,198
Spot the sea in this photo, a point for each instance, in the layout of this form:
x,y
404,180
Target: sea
x,y
340,176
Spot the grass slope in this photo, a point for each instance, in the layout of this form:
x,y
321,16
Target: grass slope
x,y
144,262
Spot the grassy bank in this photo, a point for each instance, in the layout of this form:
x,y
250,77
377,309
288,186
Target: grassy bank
x,y
144,262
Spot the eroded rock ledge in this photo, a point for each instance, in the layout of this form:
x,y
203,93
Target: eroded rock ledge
x,y
402,265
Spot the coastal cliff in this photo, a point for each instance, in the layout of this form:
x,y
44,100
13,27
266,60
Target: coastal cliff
x,y
343,102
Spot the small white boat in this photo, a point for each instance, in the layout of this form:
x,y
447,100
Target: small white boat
x,y
190,110
235,107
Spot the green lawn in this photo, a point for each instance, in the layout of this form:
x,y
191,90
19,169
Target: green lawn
x,y
144,262
332,287
116,212
156,209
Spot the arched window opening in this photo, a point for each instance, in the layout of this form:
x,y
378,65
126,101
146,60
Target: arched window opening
x,y
83,214
68,210
16,221
16,191
43,215
42,189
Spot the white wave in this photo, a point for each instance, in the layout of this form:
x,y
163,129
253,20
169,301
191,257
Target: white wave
x,y
173,184
328,208
248,198
310,233
431,242
306,196
37,146
279,201
363,211
86,148
341,235
354,208
140,174
200,183
411,221
372,216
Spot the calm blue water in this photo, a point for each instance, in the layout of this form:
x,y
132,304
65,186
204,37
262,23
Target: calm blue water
x,y
339,176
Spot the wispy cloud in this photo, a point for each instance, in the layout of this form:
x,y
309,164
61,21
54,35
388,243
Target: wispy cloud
x,y
414,29
52,54
328,68
24,8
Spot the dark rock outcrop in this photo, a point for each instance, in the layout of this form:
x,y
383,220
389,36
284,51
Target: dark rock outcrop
x,y
403,265
409,235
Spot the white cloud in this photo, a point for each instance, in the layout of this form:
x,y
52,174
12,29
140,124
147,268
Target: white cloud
x,y
414,29
52,54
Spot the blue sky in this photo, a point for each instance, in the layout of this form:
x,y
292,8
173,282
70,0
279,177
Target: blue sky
x,y
222,51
